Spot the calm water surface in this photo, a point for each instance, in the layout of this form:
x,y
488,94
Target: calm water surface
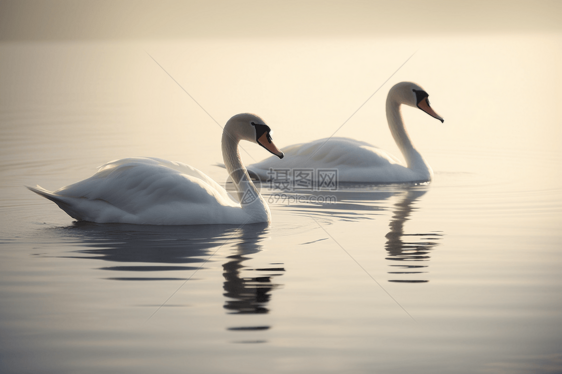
x,y
462,275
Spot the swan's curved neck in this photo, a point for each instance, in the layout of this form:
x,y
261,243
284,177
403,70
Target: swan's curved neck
x,y
248,195
413,158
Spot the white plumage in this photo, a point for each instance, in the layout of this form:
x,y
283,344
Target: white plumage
x,y
156,191
359,161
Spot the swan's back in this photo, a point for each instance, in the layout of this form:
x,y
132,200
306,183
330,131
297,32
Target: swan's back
x,y
355,161
145,190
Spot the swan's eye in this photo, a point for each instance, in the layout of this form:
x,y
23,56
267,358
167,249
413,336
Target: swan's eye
x,y
420,95
262,130
252,123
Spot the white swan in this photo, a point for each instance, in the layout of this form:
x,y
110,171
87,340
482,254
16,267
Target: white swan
x,y
358,161
158,192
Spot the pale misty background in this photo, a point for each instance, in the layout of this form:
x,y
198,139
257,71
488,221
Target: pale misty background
x,y
461,275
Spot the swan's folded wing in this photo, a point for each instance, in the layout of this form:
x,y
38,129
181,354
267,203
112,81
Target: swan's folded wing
x,y
187,170
137,186
342,154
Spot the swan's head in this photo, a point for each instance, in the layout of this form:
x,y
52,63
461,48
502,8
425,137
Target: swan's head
x,y
413,95
252,128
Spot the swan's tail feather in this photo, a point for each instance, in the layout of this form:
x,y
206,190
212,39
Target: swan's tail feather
x,y
43,192
61,201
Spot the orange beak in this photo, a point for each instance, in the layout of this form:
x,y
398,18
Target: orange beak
x,y
424,105
265,141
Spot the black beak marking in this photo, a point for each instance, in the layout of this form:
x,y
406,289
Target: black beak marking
x,y
420,95
260,130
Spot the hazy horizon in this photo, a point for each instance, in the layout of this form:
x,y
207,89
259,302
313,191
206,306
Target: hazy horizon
x,y
32,20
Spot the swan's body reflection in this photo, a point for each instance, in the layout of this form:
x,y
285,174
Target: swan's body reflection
x,y
351,202
152,249
357,201
158,249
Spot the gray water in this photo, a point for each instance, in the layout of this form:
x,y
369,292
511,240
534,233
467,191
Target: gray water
x,y
461,275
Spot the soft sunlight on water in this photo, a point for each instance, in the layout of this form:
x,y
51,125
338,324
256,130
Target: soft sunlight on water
x,y
462,275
